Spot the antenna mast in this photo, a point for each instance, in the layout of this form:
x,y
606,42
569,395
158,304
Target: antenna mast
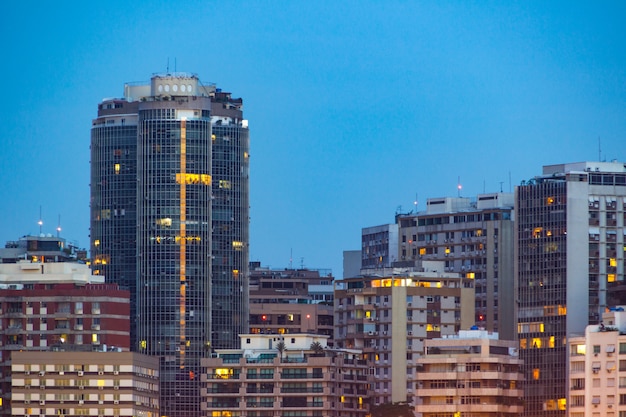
x,y
40,222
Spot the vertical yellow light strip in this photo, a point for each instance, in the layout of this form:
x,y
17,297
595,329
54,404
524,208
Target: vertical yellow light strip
x,y
183,218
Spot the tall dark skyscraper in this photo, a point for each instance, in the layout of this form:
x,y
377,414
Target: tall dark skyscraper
x,y
570,259
169,221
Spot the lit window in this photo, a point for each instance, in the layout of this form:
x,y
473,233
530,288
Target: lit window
x,y
117,169
422,251
237,245
612,262
470,275
550,201
610,277
536,374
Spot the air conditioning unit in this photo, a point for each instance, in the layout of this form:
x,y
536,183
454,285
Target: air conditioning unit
x,y
100,402
116,387
100,373
116,372
410,333
81,402
100,387
42,387
27,386
116,402
42,373
61,373
81,373
42,402
81,387
26,401
27,372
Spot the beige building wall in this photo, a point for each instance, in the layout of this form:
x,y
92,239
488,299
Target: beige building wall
x,y
85,383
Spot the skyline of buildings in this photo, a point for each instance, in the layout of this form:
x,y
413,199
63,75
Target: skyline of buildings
x,y
190,203
169,221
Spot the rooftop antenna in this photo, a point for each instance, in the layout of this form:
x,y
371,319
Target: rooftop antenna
x,y
509,181
59,227
415,203
40,222
167,69
459,186
599,150
175,65
501,182
302,263
291,258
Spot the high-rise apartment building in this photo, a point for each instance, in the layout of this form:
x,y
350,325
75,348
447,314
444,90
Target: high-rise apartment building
x,y
169,221
597,370
284,301
391,314
56,307
473,237
569,261
472,373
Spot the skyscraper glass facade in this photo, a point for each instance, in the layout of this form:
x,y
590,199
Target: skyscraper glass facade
x,y
183,252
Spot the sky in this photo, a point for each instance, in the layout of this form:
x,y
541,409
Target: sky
x,y
355,107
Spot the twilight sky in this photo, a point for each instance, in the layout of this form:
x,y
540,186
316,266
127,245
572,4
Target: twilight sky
x,y
354,107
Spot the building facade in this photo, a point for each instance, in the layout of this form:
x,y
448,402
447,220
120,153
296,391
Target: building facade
x,y
379,246
389,317
569,268
169,221
294,375
57,306
284,301
474,238
472,373
597,372
124,384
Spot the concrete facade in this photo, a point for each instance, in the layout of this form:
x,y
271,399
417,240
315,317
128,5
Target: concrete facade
x,y
472,373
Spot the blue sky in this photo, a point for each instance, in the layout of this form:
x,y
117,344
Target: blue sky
x,y
354,107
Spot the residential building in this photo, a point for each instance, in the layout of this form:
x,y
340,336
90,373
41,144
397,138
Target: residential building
x,y
57,306
379,246
569,268
473,237
42,248
391,314
290,375
284,301
169,221
124,384
472,373
597,375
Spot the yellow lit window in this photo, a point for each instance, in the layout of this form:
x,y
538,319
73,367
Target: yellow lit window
x,y
612,262
562,310
386,283
447,250
581,349
537,232
536,374
610,277
96,242
101,382
225,184
537,342
165,222
368,314
236,273
479,232
523,344
422,251
223,373
550,201
551,342
470,275
237,245
117,169
562,403
343,399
